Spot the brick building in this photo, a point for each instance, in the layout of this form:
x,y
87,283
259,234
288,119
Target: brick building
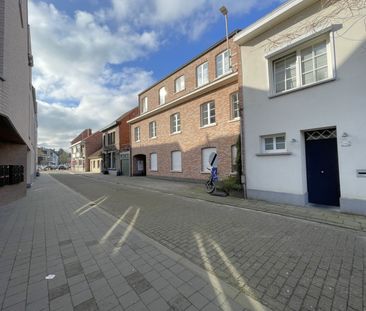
x,y
83,146
18,106
189,114
117,144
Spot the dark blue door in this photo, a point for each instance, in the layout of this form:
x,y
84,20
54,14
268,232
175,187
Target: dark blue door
x,y
322,171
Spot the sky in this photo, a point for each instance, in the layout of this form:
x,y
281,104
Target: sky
x,y
93,57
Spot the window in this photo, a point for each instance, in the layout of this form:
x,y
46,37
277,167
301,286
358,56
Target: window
x,y
176,161
153,162
180,84
206,153
137,134
222,64
162,96
202,74
302,67
314,64
144,105
234,156
152,129
285,73
235,112
93,164
111,138
175,123
274,143
111,161
208,114
98,163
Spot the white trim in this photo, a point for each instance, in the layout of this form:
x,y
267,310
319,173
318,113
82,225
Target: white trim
x,y
297,49
208,125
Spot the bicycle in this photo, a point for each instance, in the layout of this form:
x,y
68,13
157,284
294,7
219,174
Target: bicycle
x,y
210,184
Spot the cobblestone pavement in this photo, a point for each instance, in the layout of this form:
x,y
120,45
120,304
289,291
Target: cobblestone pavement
x,y
95,261
285,263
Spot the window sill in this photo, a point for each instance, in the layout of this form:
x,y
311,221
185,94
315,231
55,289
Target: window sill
x,y
224,74
176,92
302,87
176,171
208,125
154,171
273,154
176,133
234,120
153,137
137,141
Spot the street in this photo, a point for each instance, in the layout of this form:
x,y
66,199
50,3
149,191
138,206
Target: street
x,y
279,261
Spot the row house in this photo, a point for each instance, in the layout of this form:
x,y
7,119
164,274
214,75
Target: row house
x,y
116,145
47,157
188,115
18,106
303,68
84,145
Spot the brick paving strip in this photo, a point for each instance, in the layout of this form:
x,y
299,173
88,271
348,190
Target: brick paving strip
x,y
196,191
99,262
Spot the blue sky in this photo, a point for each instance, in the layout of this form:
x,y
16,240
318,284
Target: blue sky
x,y
93,57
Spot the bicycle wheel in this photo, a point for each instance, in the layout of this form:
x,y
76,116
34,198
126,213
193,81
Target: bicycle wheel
x,y
210,186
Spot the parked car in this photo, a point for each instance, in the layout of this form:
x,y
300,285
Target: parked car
x,y
62,167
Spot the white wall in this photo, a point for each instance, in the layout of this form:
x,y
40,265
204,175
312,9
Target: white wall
x,y
340,103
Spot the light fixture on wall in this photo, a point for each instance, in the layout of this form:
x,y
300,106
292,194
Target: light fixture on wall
x,y
345,140
293,140
345,134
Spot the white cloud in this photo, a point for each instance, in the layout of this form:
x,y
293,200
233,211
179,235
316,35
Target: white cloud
x,y
190,17
75,75
73,60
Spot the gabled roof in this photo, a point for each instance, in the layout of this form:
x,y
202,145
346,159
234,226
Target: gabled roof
x,y
267,22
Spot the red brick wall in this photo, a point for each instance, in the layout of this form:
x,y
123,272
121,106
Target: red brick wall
x,y
192,138
189,72
92,144
84,134
124,128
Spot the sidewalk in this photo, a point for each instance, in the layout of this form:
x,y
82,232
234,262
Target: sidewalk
x,y
197,191
98,261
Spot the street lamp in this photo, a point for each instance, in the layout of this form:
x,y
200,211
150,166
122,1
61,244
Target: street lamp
x,y
224,12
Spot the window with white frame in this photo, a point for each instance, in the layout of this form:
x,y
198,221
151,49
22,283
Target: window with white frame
x,y
235,109
222,63
202,74
180,84
234,156
152,129
176,161
153,161
137,133
208,116
175,123
205,157
162,96
144,105
274,143
308,64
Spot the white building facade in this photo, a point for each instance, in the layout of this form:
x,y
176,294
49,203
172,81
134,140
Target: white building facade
x,y
18,106
303,73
